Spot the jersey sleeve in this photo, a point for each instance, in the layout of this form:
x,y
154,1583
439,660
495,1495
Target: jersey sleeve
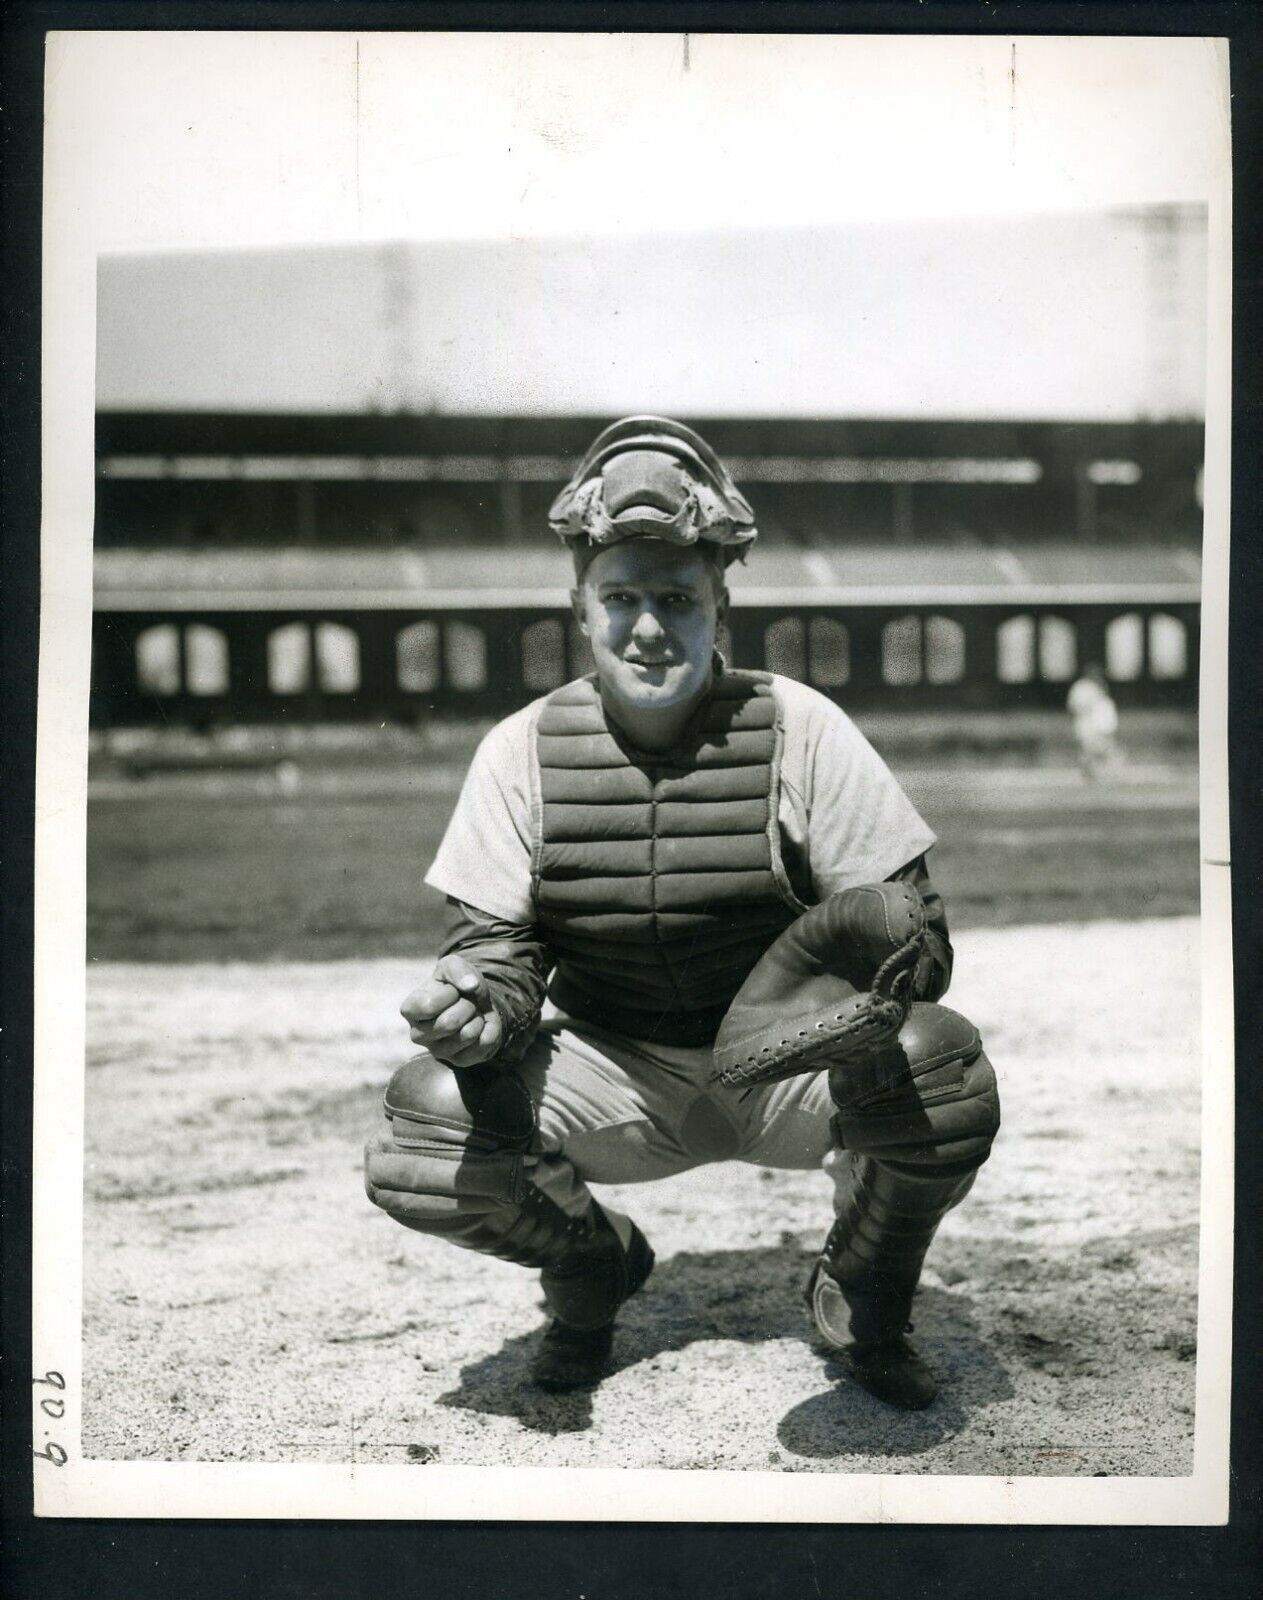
x,y
857,824
484,859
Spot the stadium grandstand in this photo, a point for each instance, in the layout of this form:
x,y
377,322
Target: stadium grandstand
x,y
322,474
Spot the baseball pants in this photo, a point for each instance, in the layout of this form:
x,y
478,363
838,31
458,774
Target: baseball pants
x,y
612,1110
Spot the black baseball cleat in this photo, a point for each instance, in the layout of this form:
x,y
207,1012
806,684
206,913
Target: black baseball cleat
x,y
893,1372
885,1364
578,1358
572,1358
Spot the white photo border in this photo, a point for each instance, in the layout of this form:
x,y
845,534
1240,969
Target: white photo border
x,y
81,83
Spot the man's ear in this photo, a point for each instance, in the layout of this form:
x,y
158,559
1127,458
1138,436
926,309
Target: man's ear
x,y
721,606
576,605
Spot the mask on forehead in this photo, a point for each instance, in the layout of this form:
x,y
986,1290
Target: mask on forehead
x,y
649,477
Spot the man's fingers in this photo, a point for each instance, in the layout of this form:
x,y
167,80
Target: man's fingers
x,y
489,1038
482,1046
453,985
452,1015
473,1030
453,1019
446,1043
429,1000
468,1055
492,1033
454,969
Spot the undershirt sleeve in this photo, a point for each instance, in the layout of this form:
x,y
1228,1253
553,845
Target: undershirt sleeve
x,y
484,859
854,823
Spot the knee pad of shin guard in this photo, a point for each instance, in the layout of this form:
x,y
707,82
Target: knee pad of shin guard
x,y
927,1099
453,1145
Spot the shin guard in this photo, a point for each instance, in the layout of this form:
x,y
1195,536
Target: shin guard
x,y
918,1121
453,1161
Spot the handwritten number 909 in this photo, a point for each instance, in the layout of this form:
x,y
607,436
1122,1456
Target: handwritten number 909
x,y
52,1406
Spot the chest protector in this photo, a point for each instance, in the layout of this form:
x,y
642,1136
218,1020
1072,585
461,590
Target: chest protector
x,y
658,878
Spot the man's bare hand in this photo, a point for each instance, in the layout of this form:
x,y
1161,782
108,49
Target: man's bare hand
x,y
452,1016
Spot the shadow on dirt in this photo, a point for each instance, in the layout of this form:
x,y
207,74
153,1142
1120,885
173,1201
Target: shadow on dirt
x,y
846,1421
753,1297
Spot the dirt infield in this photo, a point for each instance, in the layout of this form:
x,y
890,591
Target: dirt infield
x,y
243,1301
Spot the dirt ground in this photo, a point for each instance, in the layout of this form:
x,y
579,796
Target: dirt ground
x,y
243,1301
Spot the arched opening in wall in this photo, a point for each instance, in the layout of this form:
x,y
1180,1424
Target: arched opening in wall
x,y
1125,647
901,650
417,657
1015,650
205,659
1058,648
1168,647
543,654
581,661
829,652
944,650
785,648
289,658
465,653
337,658
158,660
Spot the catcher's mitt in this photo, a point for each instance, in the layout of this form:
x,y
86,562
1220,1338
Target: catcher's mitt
x,y
834,984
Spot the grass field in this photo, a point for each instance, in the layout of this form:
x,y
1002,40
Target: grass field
x,y
187,866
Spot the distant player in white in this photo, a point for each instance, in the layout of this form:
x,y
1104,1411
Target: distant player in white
x,y
1095,718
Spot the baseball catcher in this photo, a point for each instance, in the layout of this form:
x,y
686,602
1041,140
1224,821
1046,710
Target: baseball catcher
x,y
691,921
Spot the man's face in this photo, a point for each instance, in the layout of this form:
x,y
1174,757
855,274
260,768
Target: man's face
x,y
650,611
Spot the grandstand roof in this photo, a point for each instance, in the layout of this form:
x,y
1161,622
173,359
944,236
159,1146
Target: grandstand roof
x,y
1082,316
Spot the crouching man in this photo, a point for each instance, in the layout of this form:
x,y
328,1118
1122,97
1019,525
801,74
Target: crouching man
x,y
663,855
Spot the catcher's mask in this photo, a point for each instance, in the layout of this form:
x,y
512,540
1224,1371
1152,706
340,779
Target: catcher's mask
x,y
649,477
